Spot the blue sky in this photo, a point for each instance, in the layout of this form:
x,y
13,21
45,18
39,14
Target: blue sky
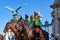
x,y
42,6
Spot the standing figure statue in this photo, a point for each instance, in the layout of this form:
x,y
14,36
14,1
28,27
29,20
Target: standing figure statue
x,y
15,12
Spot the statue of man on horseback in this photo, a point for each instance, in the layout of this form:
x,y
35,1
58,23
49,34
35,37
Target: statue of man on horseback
x,y
23,30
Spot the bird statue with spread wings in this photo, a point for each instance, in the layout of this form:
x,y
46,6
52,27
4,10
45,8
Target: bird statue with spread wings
x,y
15,12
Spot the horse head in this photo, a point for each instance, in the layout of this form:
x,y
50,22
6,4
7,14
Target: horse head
x,y
6,27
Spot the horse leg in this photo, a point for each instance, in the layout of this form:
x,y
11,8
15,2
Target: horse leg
x,y
30,34
25,34
41,35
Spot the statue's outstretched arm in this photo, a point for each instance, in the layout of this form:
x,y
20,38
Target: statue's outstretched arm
x,y
20,7
12,10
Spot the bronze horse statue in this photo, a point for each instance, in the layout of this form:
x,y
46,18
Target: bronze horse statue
x,y
20,31
24,31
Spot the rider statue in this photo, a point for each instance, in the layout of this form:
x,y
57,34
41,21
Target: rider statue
x,y
37,20
31,20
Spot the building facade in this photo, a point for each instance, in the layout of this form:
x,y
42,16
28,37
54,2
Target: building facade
x,y
56,18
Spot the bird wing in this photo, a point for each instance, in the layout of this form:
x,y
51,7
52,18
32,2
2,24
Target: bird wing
x,y
20,7
12,10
